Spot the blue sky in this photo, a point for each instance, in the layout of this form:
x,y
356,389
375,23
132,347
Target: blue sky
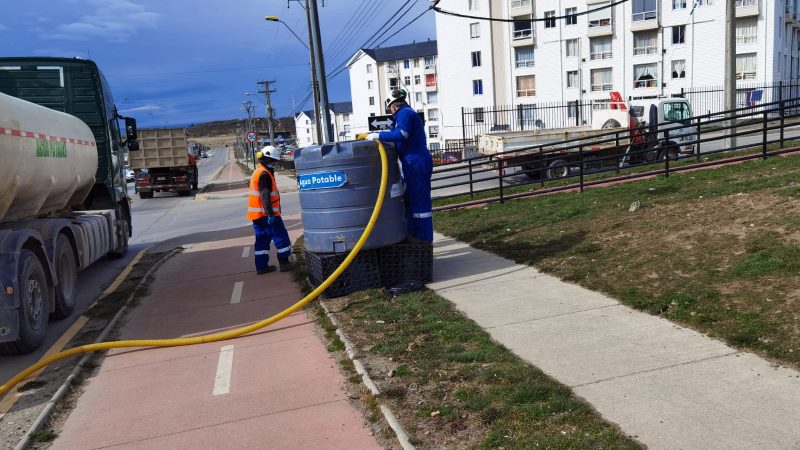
x,y
173,62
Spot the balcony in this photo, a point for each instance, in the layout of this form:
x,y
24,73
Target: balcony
x,y
600,55
644,84
521,38
746,39
602,87
526,92
600,27
750,8
649,50
645,20
519,7
524,64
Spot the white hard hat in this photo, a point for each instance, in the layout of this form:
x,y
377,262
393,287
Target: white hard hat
x,y
397,95
269,152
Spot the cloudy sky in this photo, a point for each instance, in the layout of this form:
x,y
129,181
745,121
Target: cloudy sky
x,y
173,62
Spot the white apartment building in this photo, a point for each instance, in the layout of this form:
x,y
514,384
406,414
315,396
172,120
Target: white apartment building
x,y
305,124
374,73
640,48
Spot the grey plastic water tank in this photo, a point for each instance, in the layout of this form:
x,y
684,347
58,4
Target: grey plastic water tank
x,y
338,187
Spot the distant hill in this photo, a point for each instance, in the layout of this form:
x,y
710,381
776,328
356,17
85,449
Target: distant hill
x,y
283,125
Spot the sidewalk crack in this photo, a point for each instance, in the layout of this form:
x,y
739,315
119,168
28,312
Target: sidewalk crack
x,y
536,319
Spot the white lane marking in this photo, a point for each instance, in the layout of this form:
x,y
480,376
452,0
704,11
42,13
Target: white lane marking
x,y
236,295
222,382
245,252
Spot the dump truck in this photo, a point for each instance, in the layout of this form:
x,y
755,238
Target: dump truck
x,y
616,136
166,163
63,198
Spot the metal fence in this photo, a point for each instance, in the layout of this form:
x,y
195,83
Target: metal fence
x,y
711,100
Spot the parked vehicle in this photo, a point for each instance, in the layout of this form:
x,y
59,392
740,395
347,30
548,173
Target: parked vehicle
x,y
166,163
63,198
129,174
553,152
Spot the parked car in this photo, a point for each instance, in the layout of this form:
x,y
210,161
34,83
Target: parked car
x,y
129,175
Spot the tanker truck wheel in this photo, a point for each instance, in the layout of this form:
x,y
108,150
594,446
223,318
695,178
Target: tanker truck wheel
x,y
67,271
122,249
33,315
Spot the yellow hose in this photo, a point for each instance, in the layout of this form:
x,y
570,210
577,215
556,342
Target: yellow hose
x,y
216,337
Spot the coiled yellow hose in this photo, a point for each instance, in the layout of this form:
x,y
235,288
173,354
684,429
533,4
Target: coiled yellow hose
x,y
216,337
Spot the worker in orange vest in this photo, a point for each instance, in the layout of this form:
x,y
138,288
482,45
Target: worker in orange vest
x,y
264,210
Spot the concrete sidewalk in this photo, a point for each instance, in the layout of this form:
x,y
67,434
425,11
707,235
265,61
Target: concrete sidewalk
x,y
230,182
668,386
276,388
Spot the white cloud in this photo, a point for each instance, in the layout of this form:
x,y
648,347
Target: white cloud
x,y
112,20
149,108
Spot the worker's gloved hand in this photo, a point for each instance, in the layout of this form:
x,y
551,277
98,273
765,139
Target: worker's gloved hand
x,y
270,220
368,136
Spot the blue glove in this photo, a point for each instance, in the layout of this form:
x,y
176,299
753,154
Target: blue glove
x,y
270,220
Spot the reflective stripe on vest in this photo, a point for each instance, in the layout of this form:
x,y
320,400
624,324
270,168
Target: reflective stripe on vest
x,y
255,208
422,215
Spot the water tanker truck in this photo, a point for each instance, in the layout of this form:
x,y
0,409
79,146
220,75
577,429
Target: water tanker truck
x,y
63,198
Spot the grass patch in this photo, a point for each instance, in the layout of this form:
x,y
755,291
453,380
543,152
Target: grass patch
x,y
46,435
716,250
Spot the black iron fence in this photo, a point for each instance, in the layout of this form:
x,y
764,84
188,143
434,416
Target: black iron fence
x,y
711,100
758,131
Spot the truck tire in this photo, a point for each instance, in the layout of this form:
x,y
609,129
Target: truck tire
x,y
33,314
196,179
611,123
672,150
122,249
67,272
557,169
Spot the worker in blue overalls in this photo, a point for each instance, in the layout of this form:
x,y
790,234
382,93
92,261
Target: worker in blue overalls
x,y
408,135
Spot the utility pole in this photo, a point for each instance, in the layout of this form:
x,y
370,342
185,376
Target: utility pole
x,y
248,107
325,115
314,81
730,70
266,92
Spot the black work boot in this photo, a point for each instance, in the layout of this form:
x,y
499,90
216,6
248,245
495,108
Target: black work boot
x,y
267,270
285,265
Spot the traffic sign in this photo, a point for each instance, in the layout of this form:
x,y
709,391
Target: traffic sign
x,y
252,136
380,123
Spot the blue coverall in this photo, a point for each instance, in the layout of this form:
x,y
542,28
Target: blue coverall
x,y
408,135
265,232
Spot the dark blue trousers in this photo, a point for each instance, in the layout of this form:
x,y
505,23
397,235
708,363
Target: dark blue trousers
x,y
275,233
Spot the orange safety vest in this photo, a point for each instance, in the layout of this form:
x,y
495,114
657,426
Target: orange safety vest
x,y
255,208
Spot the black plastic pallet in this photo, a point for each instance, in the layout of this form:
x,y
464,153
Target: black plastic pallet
x,y
406,262
363,273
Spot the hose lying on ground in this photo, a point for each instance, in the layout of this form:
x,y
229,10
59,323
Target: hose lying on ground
x,y
216,337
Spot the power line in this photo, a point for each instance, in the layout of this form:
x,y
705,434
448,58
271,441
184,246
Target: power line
x,y
337,41
357,30
532,19
242,69
390,27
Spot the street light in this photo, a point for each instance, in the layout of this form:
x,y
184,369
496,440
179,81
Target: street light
x,y
276,19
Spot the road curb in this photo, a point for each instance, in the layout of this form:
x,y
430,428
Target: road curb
x,y
73,375
391,419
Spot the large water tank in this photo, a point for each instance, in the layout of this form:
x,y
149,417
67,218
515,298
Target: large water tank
x,y
49,159
338,187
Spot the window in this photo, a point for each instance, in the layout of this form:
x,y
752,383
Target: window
x,y
679,34
433,115
418,97
473,5
372,114
746,66
705,2
474,30
522,27
477,87
407,80
394,83
746,30
599,17
406,64
679,68
476,59
602,80
372,101
550,19
526,86
571,47
645,43
369,84
676,111
433,132
308,122
570,16
369,68
523,56
417,79
432,98
644,76
478,112
746,3
572,79
345,117
430,80
600,48
678,4
644,9
520,3
430,62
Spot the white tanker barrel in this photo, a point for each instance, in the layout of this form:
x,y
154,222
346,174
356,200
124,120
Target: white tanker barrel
x,y
48,160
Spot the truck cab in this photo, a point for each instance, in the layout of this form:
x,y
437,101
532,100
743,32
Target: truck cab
x,y
668,116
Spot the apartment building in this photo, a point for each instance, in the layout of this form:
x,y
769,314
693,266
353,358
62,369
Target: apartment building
x,y
306,126
374,73
640,48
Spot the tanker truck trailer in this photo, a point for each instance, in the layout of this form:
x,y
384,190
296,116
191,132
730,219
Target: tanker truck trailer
x,y
63,197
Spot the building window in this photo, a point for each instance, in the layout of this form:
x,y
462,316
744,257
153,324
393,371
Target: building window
x,y
476,59
679,68
747,30
416,62
705,2
520,3
754,3
477,87
645,43
602,79
526,86
550,19
372,114
572,79
473,5
430,80
600,48
417,79
430,62
645,76
406,64
369,84
678,4
369,68
746,66
644,9
372,101
478,113
308,122
599,17
418,97
433,115
523,56
394,83
571,47
679,34
407,80
523,28
433,132
474,30
570,16
433,98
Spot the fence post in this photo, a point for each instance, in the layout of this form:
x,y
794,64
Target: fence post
x,y
464,126
666,152
698,138
580,161
616,144
542,170
764,136
470,179
783,118
500,166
